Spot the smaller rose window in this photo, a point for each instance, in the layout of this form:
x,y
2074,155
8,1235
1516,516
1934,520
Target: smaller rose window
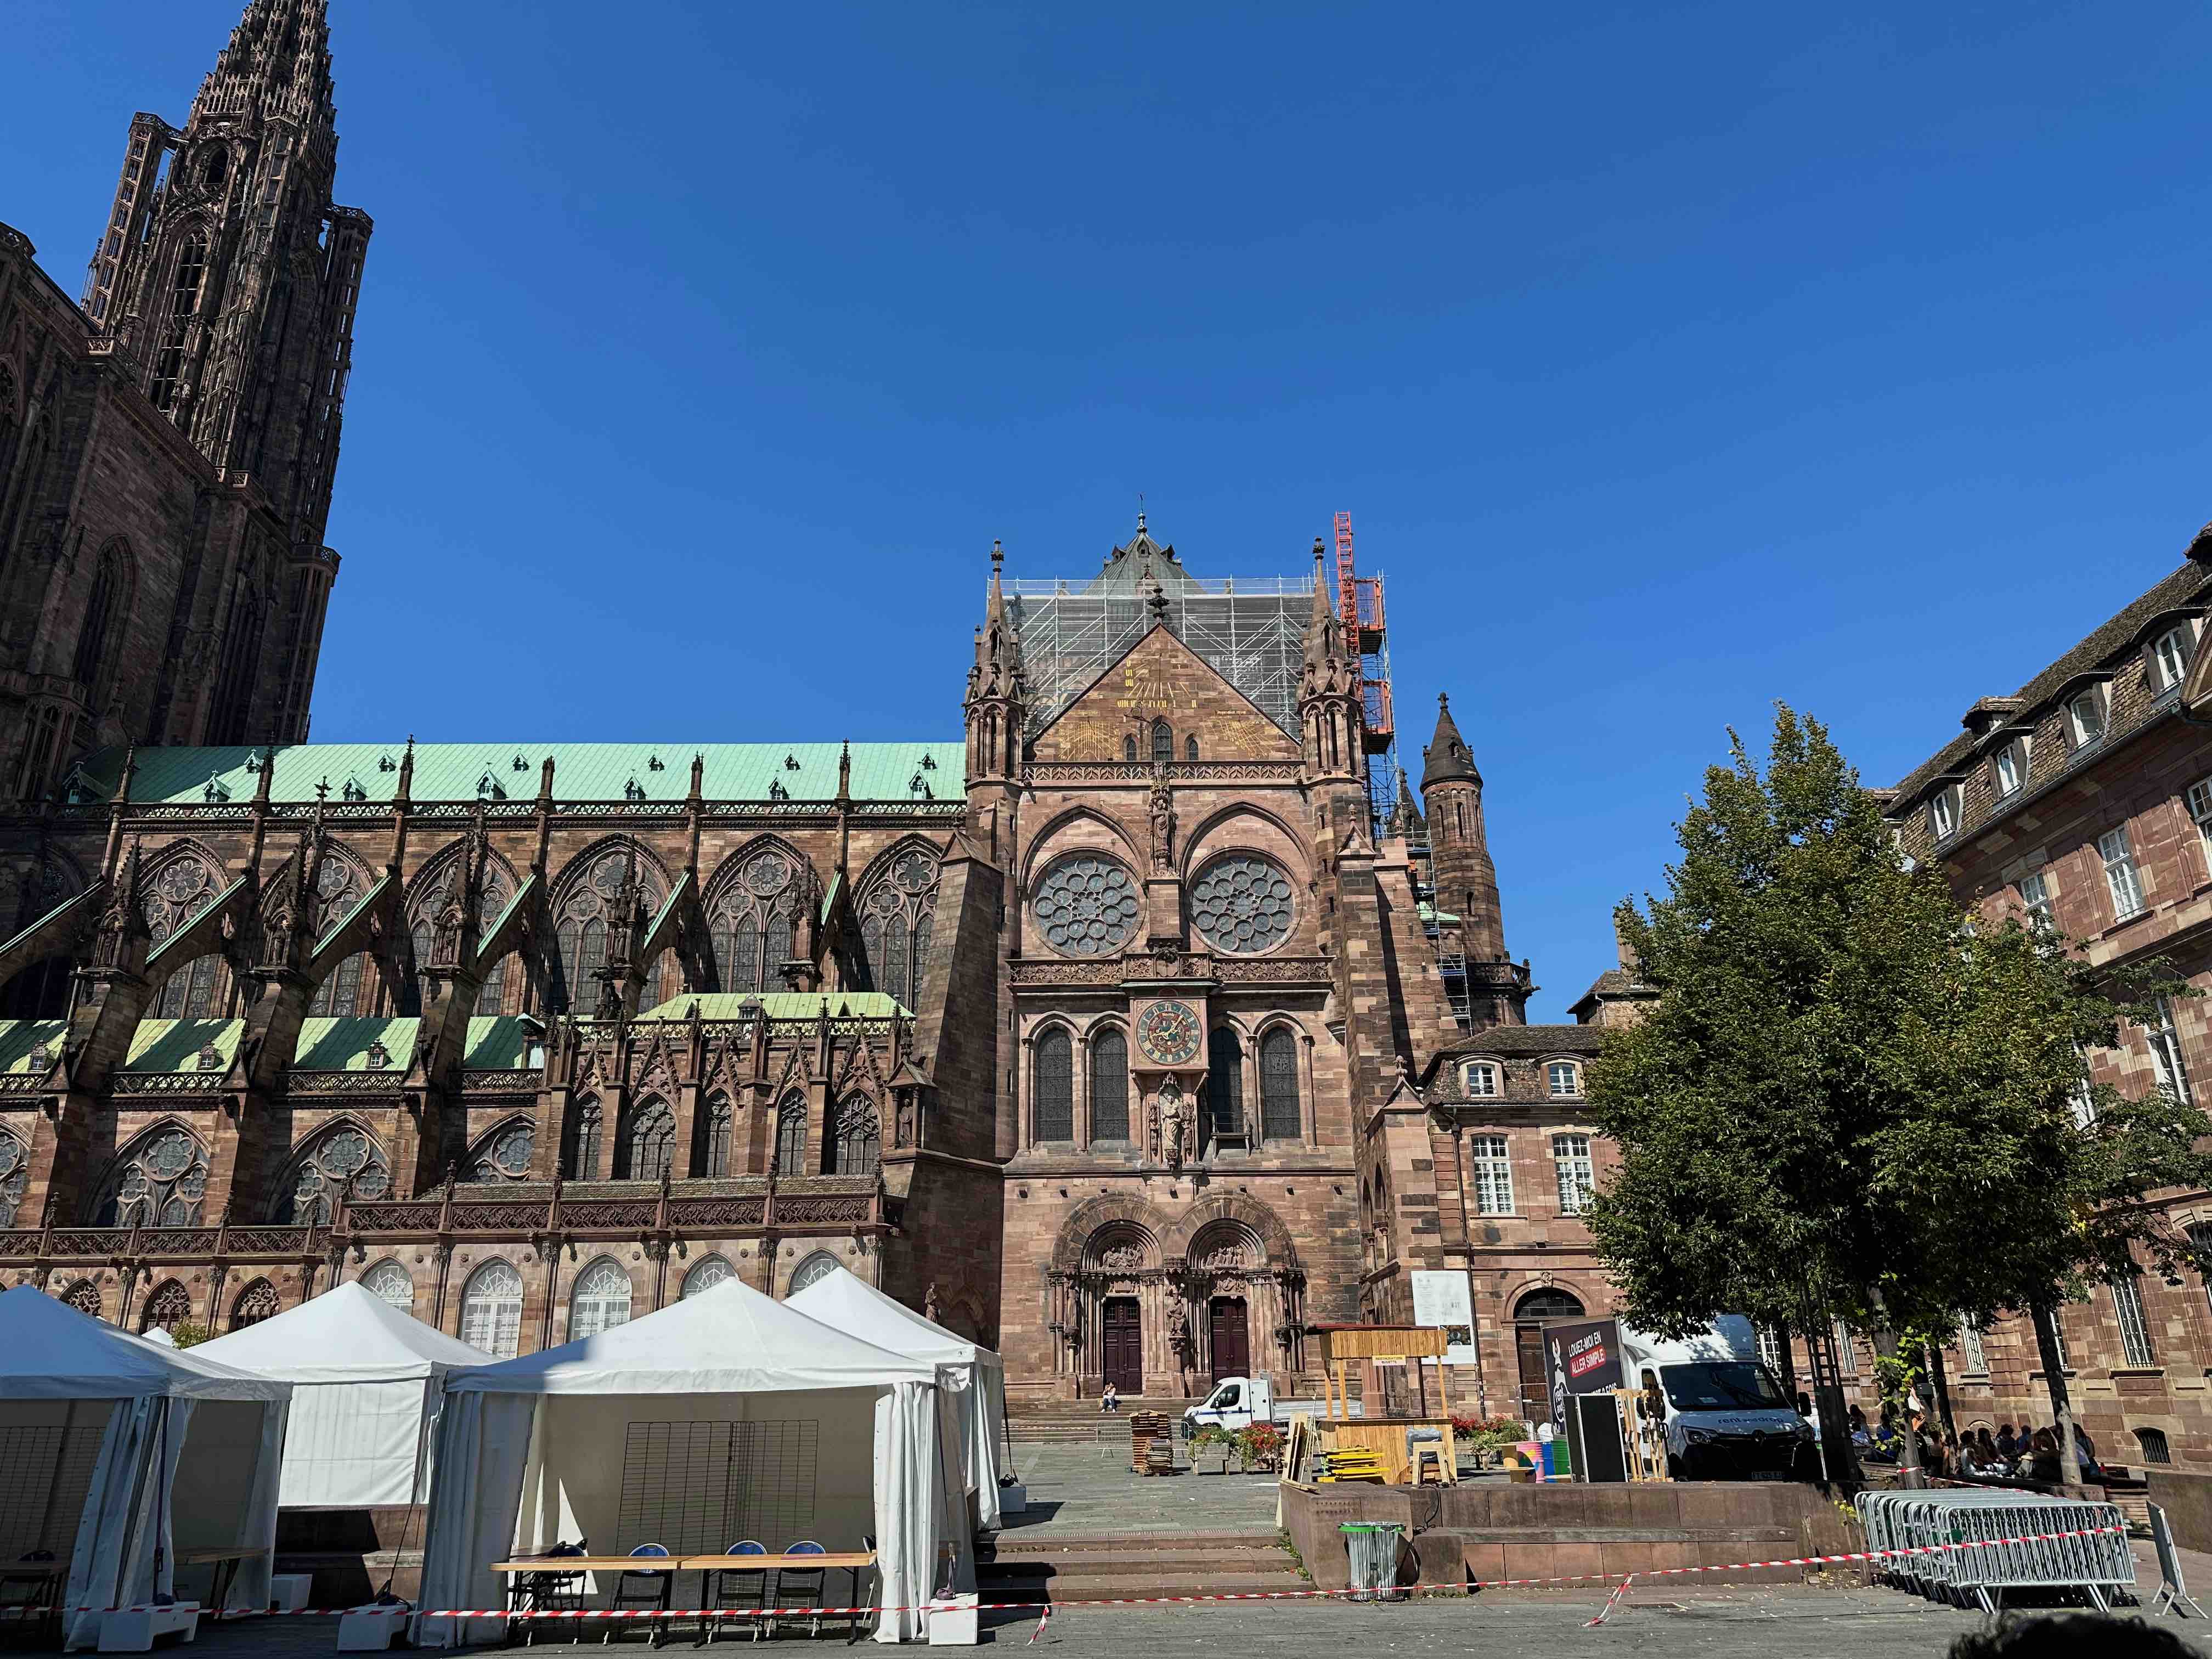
x,y
1087,906
1242,904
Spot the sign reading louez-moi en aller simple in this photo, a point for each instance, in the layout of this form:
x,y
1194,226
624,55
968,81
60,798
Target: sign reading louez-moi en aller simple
x,y
1441,1299
1583,1356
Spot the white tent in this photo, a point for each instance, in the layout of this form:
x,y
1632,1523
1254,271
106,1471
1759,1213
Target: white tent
x,y
367,1381
725,1416
187,1455
845,1302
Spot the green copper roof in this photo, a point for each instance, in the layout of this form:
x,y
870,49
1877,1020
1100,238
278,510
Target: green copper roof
x,y
174,1045
19,1036
581,771
782,1005
328,1044
501,1044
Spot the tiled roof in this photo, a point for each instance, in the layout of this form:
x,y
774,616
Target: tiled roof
x,y
581,771
19,1036
174,1045
1529,1040
2184,586
342,1044
782,1005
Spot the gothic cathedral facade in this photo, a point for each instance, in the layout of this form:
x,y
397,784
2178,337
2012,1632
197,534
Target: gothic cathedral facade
x,y
1121,1033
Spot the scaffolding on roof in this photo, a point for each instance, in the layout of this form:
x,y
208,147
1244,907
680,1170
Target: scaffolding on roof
x,y
1251,631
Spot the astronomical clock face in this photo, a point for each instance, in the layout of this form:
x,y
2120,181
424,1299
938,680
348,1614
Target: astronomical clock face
x,y
1168,1033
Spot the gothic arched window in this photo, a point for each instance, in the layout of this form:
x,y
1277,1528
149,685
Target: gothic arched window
x,y
101,620
159,1182
340,1152
11,429
1163,741
1279,1117
257,1301
189,993
651,1138
1129,747
388,1279
491,1310
713,1157
30,473
340,993
492,996
582,912
714,1271
791,1136
1224,1084
14,1177
502,1155
84,1297
858,1131
584,1141
1054,1107
752,921
896,913
1109,1085
240,671
815,1268
1190,748
600,1301
167,1308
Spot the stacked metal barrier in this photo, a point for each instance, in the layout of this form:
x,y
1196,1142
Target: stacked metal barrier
x,y
2098,1562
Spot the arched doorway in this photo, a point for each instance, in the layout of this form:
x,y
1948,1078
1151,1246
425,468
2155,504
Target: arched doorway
x,y
1121,1343
1530,1314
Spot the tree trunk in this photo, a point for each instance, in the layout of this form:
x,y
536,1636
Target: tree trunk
x,y
1909,1472
2061,1406
1789,1377
1839,1458
1943,1381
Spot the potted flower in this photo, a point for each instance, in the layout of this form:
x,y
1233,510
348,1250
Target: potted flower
x,y
1261,1444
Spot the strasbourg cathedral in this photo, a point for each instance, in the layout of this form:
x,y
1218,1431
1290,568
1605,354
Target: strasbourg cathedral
x,y
531,1041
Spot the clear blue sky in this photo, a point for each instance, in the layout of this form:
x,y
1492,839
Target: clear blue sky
x,y
1670,360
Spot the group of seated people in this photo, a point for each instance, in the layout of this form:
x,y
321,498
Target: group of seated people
x,y
1977,1455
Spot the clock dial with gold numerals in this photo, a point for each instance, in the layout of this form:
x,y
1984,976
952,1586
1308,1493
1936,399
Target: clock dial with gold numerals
x,y
1168,1033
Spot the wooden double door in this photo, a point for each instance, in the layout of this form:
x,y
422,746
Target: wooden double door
x,y
1121,1343
1230,1326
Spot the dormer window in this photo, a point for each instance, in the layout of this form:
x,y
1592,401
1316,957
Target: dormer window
x,y
1943,814
2086,715
2169,659
2010,767
1565,1078
1480,1078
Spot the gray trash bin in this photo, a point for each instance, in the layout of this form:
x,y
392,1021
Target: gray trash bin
x,y
1372,1546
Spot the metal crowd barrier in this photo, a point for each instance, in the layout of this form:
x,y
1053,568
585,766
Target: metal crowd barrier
x,y
2094,1563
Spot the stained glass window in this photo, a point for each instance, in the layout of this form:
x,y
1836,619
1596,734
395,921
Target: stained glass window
x,y
1109,1085
1224,1084
584,1141
388,1279
1241,903
1279,1117
715,1137
503,1155
310,1198
815,1268
340,993
895,925
1163,741
189,993
751,922
859,1133
652,1140
255,1303
159,1182
1053,1110
169,1307
1086,906
709,1274
84,1297
791,1136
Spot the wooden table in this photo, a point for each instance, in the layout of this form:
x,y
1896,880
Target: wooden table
x,y
855,1562
227,1559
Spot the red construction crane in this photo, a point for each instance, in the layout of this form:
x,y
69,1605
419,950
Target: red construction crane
x,y
1360,604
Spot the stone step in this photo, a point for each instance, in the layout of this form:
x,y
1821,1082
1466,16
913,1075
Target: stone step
x,y
1123,1563
1012,1545
1136,1587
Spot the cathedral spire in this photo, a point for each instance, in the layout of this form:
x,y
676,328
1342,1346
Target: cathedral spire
x,y
997,690
1447,760
276,65
1329,708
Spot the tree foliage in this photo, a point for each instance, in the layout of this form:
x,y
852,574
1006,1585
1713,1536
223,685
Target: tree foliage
x,y
1846,1100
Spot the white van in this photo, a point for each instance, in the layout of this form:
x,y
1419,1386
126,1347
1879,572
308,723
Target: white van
x,y
1724,1415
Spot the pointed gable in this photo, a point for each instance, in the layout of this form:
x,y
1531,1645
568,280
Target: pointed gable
x,y
1161,677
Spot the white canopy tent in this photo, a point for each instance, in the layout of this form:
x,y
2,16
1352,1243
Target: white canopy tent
x,y
725,1416
367,1381
845,1302
187,1458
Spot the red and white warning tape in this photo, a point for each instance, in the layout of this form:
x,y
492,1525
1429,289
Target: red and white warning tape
x,y
1051,1607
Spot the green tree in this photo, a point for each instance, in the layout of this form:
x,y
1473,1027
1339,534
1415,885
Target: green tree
x,y
1847,1102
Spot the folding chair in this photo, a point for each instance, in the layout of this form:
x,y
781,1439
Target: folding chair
x,y
740,1586
636,1589
548,1592
808,1592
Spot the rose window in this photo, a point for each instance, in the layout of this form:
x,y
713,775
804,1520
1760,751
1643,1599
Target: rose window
x,y
1242,904
1087,906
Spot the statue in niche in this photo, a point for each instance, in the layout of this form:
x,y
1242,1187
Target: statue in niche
x,y
1163,816
1173,1117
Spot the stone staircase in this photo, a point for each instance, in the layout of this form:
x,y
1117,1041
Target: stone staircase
x,y
1079,1422
1107,1566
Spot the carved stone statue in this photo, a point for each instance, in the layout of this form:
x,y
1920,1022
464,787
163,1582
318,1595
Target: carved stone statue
x,y
1163,816
1174,1120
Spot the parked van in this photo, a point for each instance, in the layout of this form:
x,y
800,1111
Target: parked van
x,y
1723,1414
1238,1402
